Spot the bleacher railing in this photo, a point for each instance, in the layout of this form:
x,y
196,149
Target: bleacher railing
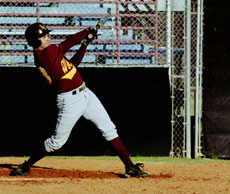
x,y
129,38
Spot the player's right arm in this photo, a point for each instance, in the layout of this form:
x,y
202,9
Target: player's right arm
x,y
77,58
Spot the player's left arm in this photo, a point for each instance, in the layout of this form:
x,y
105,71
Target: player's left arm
x,y
73,40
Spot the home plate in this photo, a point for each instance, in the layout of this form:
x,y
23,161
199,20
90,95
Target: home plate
x,y
20,179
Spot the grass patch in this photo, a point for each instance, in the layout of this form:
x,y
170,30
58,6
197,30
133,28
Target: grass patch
x,y
149,159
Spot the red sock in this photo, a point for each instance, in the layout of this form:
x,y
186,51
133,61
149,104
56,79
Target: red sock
x,y
37,155
119,148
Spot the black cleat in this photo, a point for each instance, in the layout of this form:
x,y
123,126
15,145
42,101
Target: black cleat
x,y
22,170
135,171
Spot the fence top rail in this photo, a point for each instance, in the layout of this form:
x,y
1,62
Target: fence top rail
x,y
81,1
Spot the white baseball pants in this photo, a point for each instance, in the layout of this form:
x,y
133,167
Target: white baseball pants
x,y
71,106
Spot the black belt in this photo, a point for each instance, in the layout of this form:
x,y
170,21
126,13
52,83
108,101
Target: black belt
x,y
79,89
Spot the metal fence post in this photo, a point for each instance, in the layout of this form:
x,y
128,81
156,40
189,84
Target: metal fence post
x,y
188,79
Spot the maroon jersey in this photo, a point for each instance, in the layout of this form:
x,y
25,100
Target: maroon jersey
x,y
56,68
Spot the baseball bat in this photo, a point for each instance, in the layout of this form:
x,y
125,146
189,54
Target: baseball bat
x,y
99,24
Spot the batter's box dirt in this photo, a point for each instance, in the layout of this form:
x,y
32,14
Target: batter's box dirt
x,y
40,172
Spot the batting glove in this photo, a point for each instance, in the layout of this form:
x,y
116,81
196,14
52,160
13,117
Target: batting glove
x,y
92,34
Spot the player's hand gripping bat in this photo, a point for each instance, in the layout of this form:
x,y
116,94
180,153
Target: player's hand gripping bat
x,y
100,23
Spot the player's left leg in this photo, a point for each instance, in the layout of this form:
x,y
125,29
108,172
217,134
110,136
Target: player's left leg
x,y
96,113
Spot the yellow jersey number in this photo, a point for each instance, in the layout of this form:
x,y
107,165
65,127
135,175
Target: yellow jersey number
x,y
68,68
45,74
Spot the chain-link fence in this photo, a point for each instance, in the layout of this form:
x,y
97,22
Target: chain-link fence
x,y
186,100
140,33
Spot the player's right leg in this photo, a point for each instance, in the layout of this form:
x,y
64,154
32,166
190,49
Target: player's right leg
x,y
24,168
70,109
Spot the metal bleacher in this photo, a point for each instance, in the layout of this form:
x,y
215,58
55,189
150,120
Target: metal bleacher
x,y
115,46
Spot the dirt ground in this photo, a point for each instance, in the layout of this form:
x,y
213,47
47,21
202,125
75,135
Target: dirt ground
x,y
95,176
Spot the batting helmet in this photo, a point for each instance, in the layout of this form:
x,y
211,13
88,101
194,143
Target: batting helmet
x,y
34,32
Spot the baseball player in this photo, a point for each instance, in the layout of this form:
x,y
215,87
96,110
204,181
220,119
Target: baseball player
x,y
73,98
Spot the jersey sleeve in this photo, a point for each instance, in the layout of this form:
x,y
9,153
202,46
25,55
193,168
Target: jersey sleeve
x,y
77,58
73,40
